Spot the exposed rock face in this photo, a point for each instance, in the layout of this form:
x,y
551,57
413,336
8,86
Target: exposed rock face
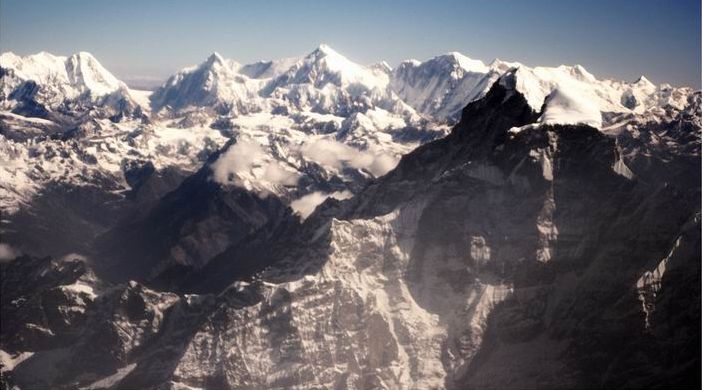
x,y
506,255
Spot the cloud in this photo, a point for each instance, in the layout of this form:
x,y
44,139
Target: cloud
x,y
382,164
245,160
7,253
239,158
335,154
248,164
274,173
308,203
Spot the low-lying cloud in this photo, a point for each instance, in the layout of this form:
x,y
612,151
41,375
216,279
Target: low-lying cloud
x,y
248,165
308,203
335,154
242,158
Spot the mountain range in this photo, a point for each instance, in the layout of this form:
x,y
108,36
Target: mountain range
x,y
312,222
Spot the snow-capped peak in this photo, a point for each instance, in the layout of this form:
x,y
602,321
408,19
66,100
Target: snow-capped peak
x,y
466,63
215,58
452,62
74,75
326,81
325,49
577,72
642,81
324,65
50,82
216,80
441,86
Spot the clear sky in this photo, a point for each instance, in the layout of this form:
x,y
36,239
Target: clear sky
x,y
151,39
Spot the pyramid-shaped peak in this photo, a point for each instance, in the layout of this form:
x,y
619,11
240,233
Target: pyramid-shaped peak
x,y
325,51
331,60
457,59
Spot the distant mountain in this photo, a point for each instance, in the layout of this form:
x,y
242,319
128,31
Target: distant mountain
x,y
323,81
38,84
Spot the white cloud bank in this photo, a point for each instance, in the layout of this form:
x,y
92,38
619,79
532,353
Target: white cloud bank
x,y
335,154
306,204
246,160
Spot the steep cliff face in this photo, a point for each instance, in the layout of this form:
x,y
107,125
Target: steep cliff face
x,y
520,249
510,254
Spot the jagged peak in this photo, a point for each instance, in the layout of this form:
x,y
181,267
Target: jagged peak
x,y
324,53
325,59
325,49
466,62
643,81
382,66
214,58
215,63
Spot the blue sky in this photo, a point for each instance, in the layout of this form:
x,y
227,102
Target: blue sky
x,y
617,39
